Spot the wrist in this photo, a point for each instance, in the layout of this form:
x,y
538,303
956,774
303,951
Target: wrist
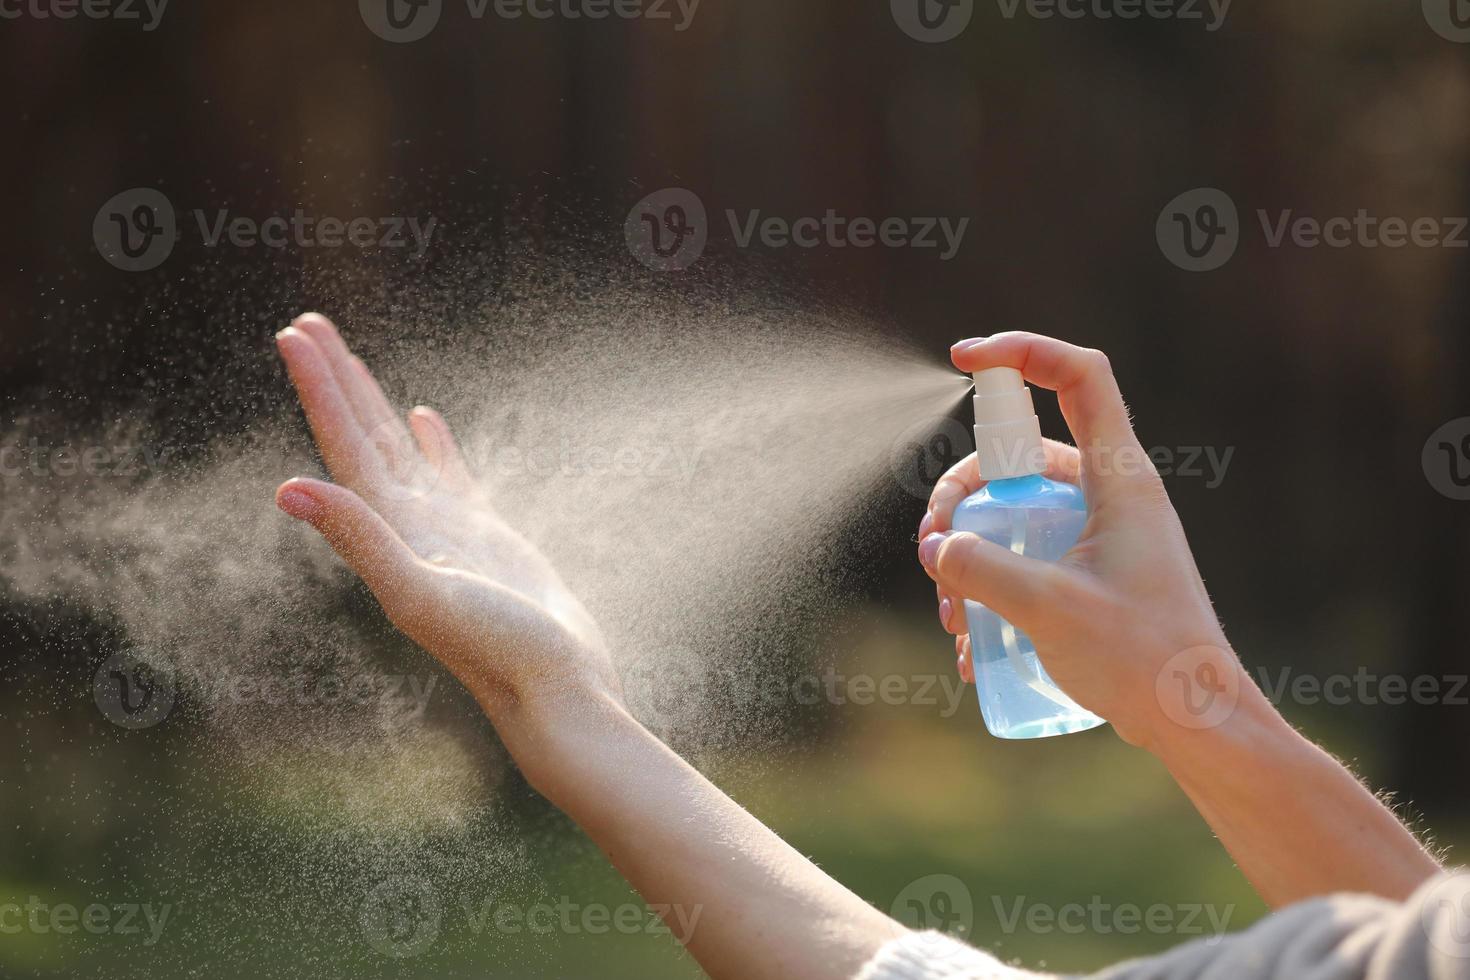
x,y
1220,714
549,734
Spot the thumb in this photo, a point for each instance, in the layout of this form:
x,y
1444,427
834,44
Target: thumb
x,y
1022,590
355,531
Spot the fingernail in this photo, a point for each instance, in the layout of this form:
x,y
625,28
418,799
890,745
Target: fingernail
x,y
966,344
298,503
946,609
929,547
926,525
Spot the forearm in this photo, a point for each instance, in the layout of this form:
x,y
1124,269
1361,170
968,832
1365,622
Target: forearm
x,y
749,904
1295,820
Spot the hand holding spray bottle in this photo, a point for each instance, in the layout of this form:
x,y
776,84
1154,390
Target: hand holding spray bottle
x,y
1039,518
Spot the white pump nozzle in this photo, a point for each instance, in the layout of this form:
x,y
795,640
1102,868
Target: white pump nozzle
x,y
1007,431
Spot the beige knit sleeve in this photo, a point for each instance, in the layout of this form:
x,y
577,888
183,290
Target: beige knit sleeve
x,y
1342,937
935,956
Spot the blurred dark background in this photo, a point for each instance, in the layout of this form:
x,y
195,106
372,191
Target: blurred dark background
x,y
1332,543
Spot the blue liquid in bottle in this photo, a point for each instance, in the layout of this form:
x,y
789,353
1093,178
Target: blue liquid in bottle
x,y
1042,519
1033,516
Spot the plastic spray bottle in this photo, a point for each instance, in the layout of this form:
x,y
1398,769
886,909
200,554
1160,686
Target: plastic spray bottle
x,y
1033,516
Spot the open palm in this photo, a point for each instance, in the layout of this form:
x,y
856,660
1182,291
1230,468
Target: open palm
x,y
410,520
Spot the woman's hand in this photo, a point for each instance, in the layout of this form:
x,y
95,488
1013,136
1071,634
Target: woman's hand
x,y
408,518
1126,605
1122,622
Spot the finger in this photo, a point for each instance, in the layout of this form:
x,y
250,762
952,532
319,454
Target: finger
x,y
964,658
357,533
958,482
375,414
338,433
1063,462
439,447
1082,378
961,480
951,612
1021,590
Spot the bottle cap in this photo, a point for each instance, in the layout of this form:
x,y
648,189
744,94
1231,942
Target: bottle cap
x,y
1007,431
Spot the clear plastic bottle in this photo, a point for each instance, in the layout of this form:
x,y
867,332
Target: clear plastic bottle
x,y
1033,516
